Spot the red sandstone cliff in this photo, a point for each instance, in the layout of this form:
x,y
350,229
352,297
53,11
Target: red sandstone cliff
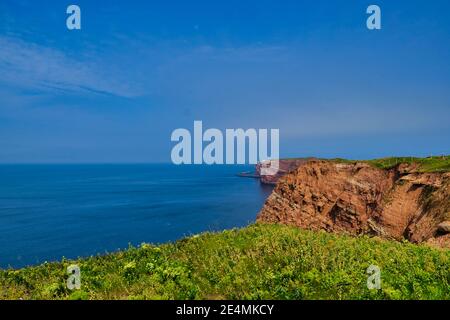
x,y
358,198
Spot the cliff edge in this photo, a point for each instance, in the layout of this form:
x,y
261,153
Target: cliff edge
x,y
356,198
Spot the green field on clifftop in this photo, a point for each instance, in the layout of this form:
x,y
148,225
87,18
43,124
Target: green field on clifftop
x,y
256,262
430,164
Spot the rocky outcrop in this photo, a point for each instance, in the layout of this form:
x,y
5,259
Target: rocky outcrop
x,y
284,167
357,198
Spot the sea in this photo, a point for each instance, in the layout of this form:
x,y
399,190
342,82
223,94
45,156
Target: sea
x,y
48,212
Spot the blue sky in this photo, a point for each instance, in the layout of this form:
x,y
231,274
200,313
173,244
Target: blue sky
x,y
115,90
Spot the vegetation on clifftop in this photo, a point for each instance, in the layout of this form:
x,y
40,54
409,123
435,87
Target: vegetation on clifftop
x,y
430,164
257,262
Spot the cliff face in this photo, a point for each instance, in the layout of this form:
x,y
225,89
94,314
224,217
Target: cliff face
x,y
357,198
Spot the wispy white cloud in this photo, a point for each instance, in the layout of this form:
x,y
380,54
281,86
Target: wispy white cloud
x,y
34,66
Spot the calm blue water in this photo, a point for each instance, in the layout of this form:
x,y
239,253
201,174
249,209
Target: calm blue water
x,y
51,211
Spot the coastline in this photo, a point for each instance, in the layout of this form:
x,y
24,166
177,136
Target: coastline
x,y
264,260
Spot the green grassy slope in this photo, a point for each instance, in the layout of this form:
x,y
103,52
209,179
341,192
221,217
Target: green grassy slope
x,y
257,262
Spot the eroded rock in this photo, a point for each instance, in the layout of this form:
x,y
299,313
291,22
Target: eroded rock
x,y
357,198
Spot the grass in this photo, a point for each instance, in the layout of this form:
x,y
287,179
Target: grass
x,y
430,164
257,262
